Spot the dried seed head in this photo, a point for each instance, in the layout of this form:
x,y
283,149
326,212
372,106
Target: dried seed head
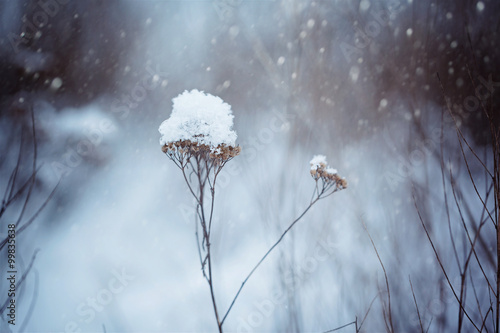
x,y
320,170
188,148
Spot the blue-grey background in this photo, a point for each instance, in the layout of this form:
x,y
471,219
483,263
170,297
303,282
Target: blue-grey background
x,y
353,80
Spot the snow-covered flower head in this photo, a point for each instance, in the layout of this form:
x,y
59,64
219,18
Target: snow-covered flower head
x,y
199,123
321,170
318,161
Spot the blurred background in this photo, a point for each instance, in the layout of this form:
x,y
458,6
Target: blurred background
x,y
86,84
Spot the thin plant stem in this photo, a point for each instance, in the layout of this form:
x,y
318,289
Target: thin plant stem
x,y
416,306
441,264
21,281
341,327
205,169
385,275
267,253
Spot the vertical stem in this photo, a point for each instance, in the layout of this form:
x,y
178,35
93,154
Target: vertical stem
x,y
497,204
498,280
202,178
267,253
496,186
219,324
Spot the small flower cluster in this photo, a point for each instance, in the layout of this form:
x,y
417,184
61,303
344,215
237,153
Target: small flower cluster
x,y
188,149
224,153
320,170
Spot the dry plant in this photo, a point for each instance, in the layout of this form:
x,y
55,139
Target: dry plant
x,y
198,138
386,308
477,296
15,204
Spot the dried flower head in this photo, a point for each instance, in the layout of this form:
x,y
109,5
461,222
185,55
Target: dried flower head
x,y
328,175
200,125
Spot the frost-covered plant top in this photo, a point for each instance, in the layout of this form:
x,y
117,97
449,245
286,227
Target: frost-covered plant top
x,y
328,175
199,124
198,137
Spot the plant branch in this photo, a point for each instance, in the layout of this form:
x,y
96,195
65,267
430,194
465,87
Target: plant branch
x,y
385,274
267,253
441,264
416,306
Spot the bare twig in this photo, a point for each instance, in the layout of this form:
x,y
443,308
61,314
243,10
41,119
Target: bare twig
x,y
32,303
204,166
21,281
391,326
477,299
492,176
416,306
266,254
327,189
441,264
341,327
366,314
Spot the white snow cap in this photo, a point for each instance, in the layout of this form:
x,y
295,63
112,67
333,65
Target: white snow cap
x,y
317,160
331,171
199,117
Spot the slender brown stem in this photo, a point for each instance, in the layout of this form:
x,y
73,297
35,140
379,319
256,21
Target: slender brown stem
x,y
212,191
438,258
497,315
21,281
366,314
386,278
493,215
212,293
267,253
201,169
416,306
202,166
355,323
